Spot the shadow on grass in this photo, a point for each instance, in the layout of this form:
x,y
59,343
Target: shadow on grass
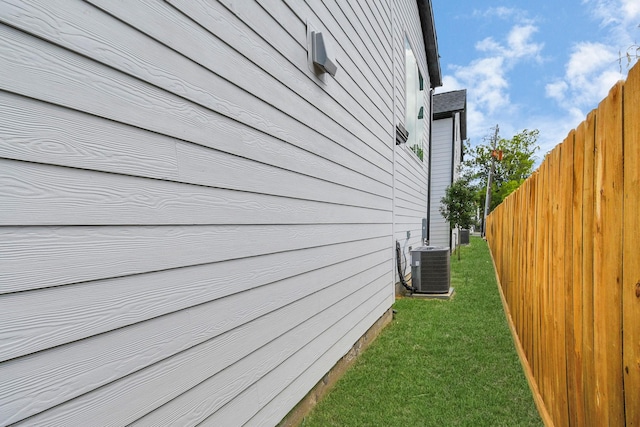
x,y
439,363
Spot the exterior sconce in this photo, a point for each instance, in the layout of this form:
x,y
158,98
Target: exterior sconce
x,y
321,56
401,134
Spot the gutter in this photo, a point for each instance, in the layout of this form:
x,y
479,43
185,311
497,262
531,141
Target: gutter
x,y
430,42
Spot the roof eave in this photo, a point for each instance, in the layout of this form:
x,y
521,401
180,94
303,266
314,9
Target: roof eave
x,y
430,42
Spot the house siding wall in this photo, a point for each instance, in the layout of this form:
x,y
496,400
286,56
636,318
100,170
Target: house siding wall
x,y
194,227
411,174
443,132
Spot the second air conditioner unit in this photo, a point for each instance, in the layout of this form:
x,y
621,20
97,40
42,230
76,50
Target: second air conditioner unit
x,y
464,236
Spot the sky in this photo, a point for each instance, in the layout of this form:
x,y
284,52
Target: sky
x,y
541,64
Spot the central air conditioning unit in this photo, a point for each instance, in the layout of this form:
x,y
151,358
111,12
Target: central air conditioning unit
x,y
464,236
430,269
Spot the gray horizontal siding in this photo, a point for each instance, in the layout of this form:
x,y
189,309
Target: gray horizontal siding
x,y
190,214
440,180
411,174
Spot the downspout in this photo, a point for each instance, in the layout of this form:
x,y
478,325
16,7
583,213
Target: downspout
x,y
393,145
453,154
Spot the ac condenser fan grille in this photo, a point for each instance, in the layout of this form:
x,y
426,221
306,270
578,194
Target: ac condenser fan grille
x,y
430,269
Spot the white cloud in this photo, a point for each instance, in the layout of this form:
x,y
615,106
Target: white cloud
x,y
620,18
475,118
500,58
592,68
557,90
520,44
631,9
487,77
449,83
488,45
590,72
506,13
615,12
552,131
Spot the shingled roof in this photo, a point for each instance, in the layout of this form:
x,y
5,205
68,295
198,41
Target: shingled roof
x,y
448,103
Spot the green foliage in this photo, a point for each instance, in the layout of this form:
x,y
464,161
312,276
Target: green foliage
x,y
505,189
509,173
439,363
418,150
517,162
458,205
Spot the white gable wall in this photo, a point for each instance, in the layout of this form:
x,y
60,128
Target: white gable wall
x,y
447,148
443,132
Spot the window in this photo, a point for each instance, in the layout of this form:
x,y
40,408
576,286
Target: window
x,y
414,120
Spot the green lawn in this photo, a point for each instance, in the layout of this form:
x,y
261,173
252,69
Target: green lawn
x,y
439,363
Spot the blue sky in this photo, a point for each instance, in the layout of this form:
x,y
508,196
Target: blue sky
x,y
533,65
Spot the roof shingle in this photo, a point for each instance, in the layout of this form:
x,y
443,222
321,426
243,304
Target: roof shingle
x,y
448,103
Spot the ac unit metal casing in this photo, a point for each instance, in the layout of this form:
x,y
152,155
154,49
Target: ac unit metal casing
x,y
431,269
464,236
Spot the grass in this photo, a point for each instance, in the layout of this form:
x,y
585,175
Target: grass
x,y
439,363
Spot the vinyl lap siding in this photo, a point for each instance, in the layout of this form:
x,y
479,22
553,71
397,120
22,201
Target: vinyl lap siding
x,y
411,174
440,179
189,216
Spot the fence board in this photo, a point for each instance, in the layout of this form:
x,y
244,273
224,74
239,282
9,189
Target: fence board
x,y
567,204
607,257
540,277
587,268
631,260
565,251
577,408
544,280
531,270
563,284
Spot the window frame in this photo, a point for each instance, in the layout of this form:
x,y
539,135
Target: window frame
x,y
414,102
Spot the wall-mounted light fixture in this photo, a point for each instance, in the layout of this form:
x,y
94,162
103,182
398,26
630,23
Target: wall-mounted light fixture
x,y
321,55
401,134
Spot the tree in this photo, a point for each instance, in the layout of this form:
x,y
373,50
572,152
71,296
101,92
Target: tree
x,y
518,158
458,205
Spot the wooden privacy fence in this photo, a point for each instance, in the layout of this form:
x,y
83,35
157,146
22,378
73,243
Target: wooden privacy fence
x,y
567,251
